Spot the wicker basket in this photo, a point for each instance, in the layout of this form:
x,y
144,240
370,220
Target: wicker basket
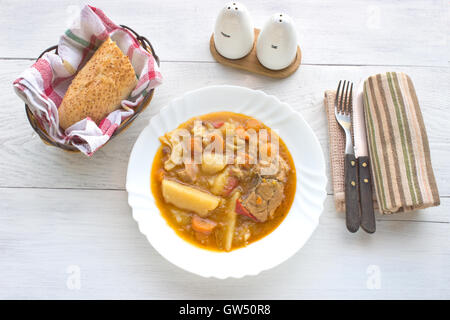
x,y
145,43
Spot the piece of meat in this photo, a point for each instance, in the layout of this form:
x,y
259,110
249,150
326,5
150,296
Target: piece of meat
x,y
189,173
232,182
237,172
262,201
273,168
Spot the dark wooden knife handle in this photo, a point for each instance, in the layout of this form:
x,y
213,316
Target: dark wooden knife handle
x,y
352,216
365,195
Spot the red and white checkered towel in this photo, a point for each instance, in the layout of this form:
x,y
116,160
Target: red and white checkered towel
x,y
43,85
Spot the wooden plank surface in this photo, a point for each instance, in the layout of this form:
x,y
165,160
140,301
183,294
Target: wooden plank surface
x,y
352,32
93,230
62,212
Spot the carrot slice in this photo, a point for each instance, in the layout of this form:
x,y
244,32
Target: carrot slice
x,y
219,143
247,160
196,145
241,133
205,226
192,144
253,124
258,200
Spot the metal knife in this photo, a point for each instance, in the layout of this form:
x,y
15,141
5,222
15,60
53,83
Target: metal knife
x,y
362,154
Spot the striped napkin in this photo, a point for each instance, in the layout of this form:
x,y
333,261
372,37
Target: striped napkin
x,y
398,144
43,85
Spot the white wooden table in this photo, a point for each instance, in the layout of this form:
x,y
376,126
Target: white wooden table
x,y
66,229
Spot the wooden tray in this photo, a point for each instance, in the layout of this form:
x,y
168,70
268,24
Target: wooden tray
x,y
251,63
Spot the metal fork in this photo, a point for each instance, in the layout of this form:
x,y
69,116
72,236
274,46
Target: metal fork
x,y
342,110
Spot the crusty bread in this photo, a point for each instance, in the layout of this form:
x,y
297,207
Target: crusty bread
x,y
99,87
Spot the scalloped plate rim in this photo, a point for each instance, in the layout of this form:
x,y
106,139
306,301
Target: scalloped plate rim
x,y
173,103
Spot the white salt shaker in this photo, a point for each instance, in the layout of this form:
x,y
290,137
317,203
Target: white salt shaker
x,y
276,47
233,33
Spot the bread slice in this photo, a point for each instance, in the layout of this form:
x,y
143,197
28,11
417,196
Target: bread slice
x,y
99,87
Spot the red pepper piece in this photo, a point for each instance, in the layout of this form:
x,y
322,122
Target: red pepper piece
x,y
240,209
217,124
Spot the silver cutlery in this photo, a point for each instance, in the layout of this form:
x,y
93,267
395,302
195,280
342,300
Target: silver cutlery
x,y
342,111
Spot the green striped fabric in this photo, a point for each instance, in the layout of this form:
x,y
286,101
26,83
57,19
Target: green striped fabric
x,y
75,38
398,144
82,42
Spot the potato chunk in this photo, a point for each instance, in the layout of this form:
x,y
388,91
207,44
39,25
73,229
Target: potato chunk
x,y
213,163
189,198
219,183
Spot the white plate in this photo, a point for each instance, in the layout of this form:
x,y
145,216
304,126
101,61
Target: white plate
x,y
261,255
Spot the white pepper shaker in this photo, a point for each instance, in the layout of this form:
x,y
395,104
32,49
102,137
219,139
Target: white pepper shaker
x,y
276,47
234,31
